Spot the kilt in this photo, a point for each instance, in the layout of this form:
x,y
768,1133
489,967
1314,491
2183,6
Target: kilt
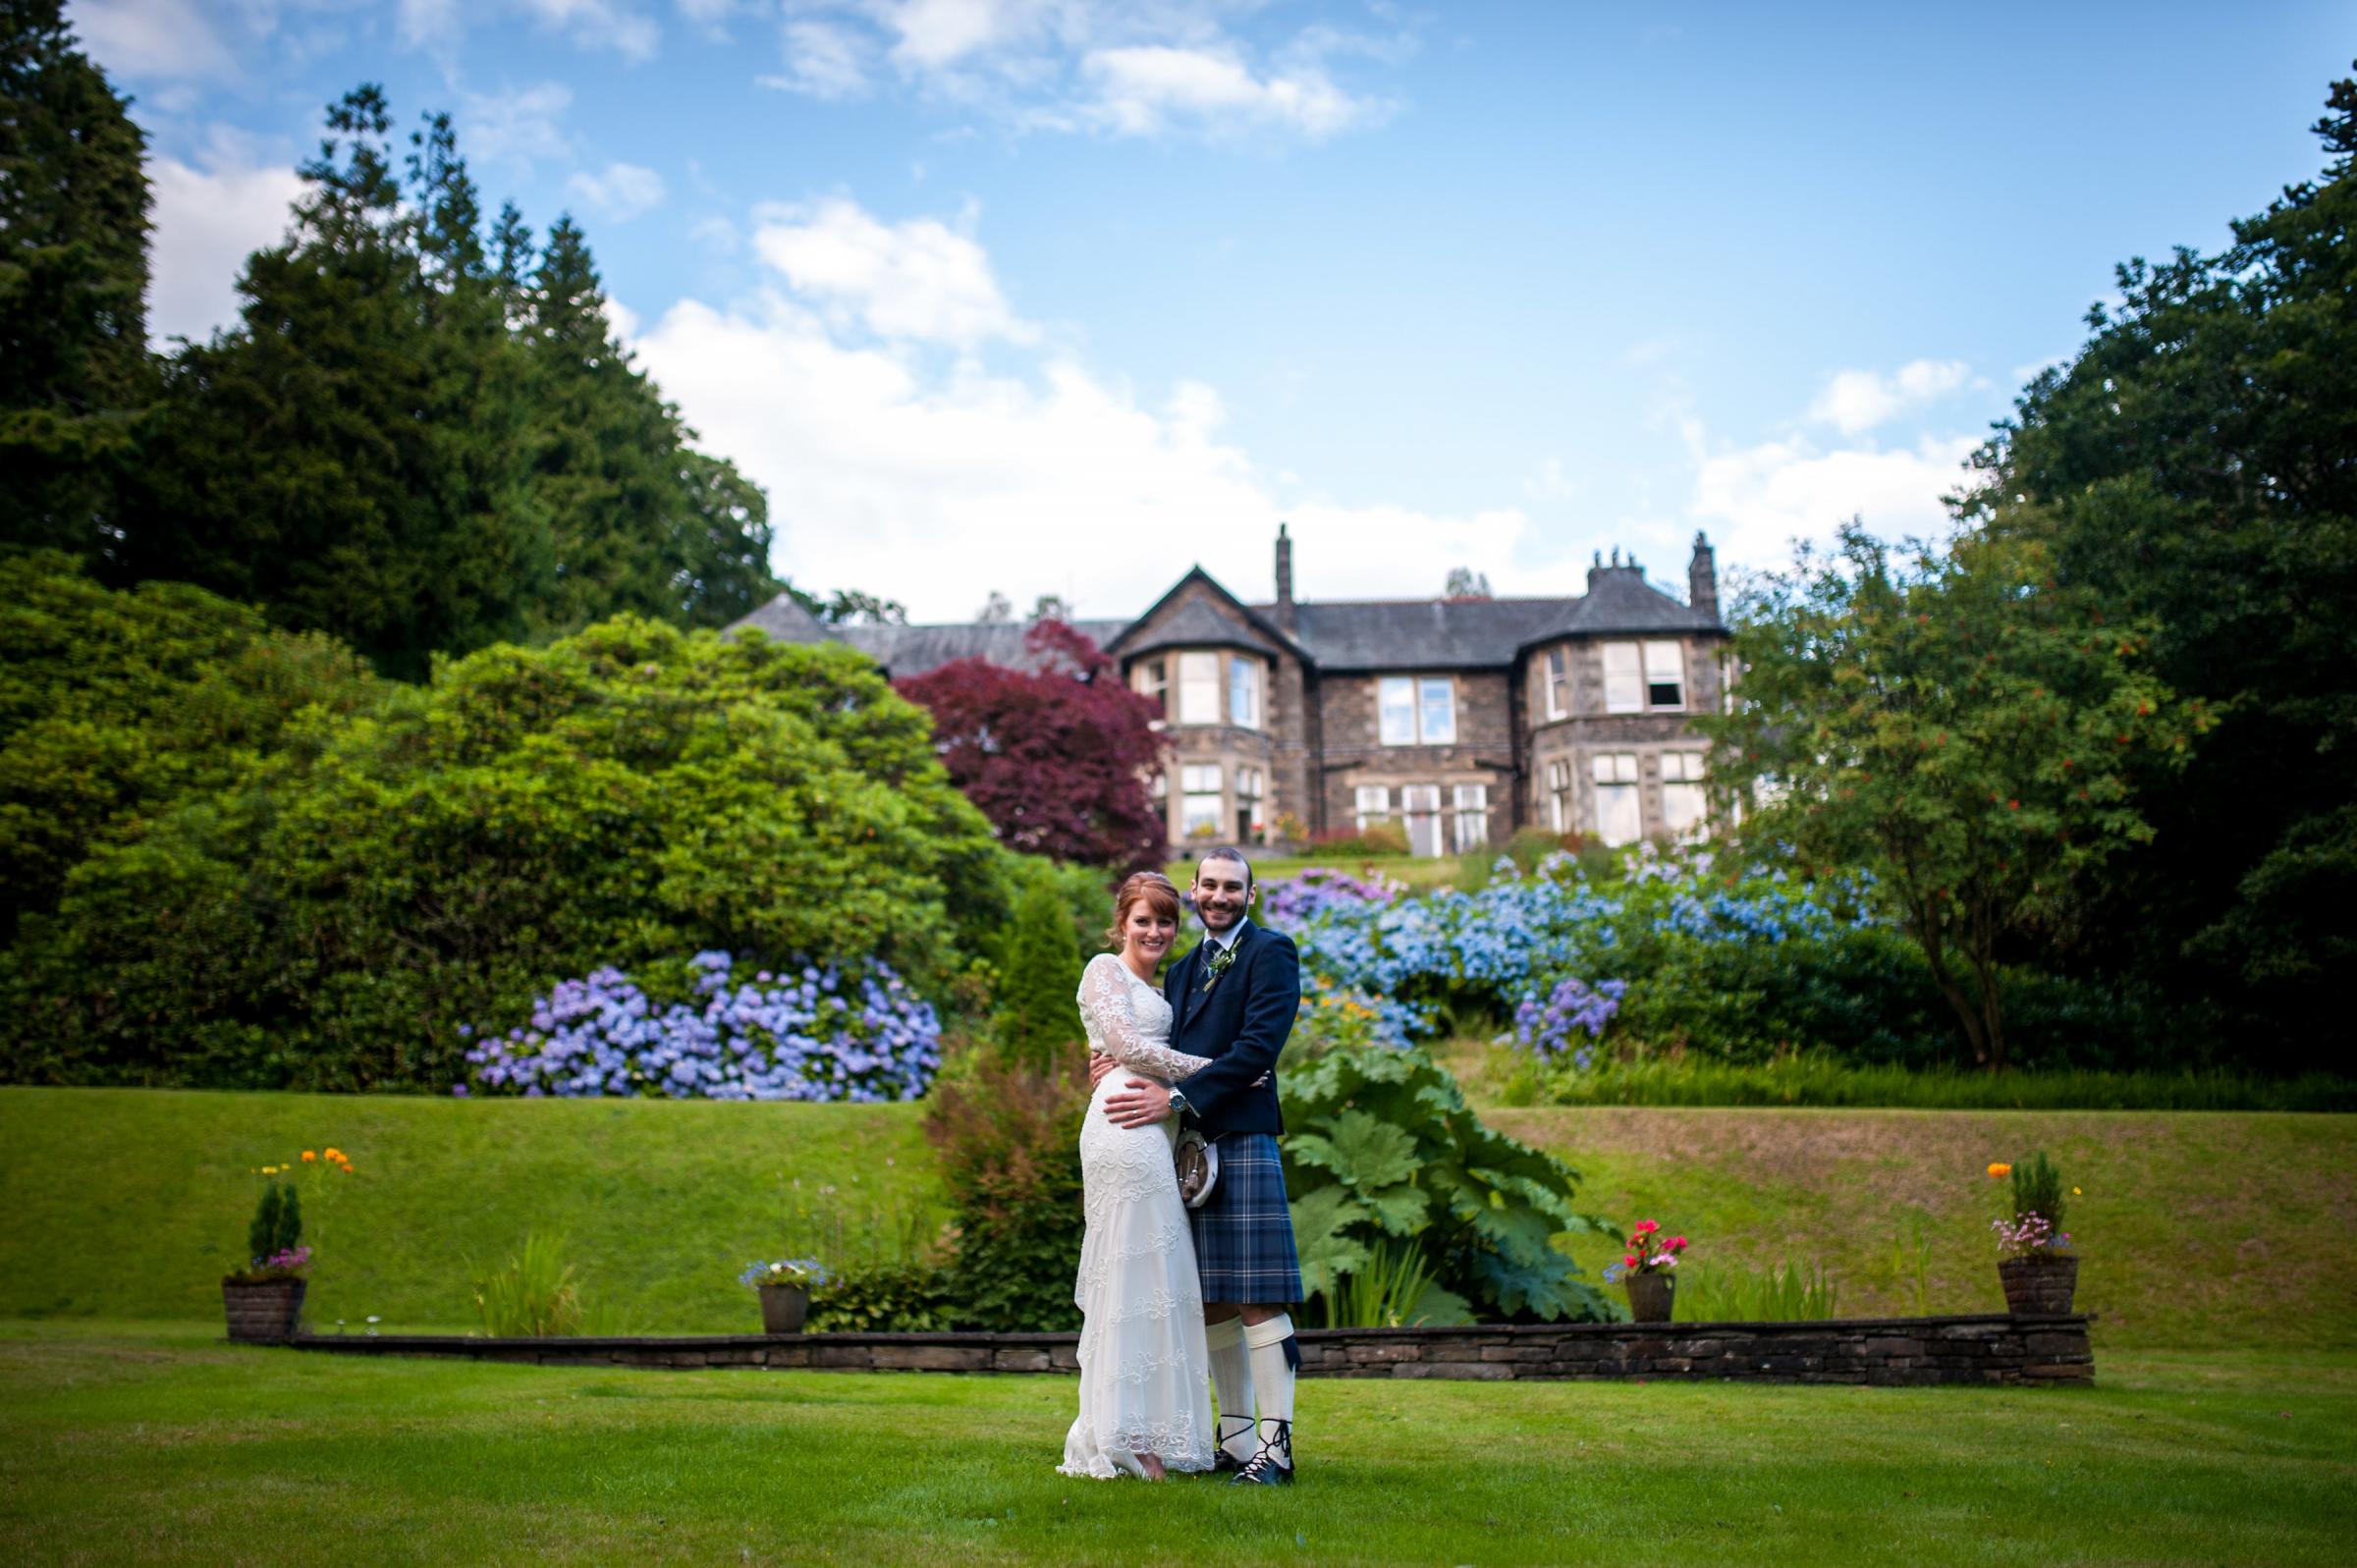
x,y
1244,1232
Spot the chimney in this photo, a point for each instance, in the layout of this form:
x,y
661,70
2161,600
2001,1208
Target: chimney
x,y
1284,579
1702,578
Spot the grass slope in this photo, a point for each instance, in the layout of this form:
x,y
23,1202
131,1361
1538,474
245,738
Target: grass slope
x,y
122,1446
131,1203
2195,1228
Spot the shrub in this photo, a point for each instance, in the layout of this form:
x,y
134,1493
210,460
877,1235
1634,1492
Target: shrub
x,y
807,1033
1382,1151
617,799
1374,840
1039,975
536,1296
1009,1141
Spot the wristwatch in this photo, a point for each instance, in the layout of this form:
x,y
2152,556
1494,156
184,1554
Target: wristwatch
x,y
1178,1105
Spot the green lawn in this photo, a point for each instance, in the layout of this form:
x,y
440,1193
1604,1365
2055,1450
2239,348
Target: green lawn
x,y
130,1202
2195,1228
128,1444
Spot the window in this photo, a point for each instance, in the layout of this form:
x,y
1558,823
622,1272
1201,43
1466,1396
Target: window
x,y
1416,710
1243,692
1664,676
1152,678
1198,689
1558,683
1559,795
1249,791
1200,807
1620,819
1472,823
1683,806
1421,803
1374,805
1624,688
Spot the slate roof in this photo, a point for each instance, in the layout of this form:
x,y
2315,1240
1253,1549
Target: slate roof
x,y
1366,634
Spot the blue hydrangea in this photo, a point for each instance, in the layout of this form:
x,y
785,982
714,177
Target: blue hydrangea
x,y
812,1033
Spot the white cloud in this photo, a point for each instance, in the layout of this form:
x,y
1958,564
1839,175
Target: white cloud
x,y
822,61
207,222
1757,499
935,483
1550,483
518,128
1859,400
587,24
1148,88
153,38
621,192
920,280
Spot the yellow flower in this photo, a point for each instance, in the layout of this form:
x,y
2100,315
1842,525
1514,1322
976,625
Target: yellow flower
x,y
2075,1193
1998,1172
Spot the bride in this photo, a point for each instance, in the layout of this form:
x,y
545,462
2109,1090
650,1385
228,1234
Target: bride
x,y
1145,1401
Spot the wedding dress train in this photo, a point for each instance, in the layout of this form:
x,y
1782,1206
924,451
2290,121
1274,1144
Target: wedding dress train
x,y
1144,1384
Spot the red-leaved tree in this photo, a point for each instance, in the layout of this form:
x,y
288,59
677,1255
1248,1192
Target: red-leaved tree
x,y
1055,756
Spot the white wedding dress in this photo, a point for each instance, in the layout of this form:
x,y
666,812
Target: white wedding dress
x,y
1144,1370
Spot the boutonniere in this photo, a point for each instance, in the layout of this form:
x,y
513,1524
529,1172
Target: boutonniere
x,y
1217,965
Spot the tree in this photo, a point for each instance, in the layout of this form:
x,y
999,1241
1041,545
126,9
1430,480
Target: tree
x,y
1961,725
1055,756
347,458
2191,465
1049,606
1038,974
117,706
997,610
73,367
627,797
1466,584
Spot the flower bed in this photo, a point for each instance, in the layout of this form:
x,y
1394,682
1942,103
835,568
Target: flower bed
x,y
807,1033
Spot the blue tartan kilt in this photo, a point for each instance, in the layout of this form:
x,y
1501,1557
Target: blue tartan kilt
x,y
1244,1232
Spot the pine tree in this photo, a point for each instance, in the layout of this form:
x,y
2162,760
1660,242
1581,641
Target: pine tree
x,y
74,363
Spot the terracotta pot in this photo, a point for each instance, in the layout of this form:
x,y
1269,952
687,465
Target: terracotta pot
x,y
2039,1285
1651,1296
265,1313
782,1309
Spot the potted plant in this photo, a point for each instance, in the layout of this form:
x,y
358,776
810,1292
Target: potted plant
x,y
785,1287
1649,1271
2038,1268
263,1300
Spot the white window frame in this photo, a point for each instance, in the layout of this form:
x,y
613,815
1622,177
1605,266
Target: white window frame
x,y
1414,697
1420,810
1665,666
1624,678
1371,804
1562,804
1243,692
1620,797
1470,816
1202,800
1251,794
1198,689
1152,679
1554,675
1685,805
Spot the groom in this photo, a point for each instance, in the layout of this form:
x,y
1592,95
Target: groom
x,y
1232,999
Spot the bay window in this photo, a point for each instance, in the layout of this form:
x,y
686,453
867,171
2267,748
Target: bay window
x,y
1620,817
1198,689
1243,692
1199,807
1683,806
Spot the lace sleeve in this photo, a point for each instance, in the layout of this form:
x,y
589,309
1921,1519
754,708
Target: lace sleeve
x,y
1112,1027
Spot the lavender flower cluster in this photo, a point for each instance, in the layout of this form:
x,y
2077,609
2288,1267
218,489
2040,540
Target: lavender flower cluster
x,y
1304,898
813,1033
1547,1027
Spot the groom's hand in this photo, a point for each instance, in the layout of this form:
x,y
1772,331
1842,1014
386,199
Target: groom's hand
x,y
1140,1104
1099,1064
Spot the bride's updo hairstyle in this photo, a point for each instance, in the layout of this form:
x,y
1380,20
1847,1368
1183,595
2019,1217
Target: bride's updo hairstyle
x,y
1150,888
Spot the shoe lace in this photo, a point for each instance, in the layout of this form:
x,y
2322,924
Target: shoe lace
x,y
1271,1448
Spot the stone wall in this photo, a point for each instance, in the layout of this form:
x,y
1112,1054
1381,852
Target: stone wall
x,y
1882,1352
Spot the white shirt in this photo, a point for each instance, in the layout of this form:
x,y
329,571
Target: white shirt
x,y
1229,938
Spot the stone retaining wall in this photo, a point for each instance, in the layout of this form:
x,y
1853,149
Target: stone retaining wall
x,y
1992,1348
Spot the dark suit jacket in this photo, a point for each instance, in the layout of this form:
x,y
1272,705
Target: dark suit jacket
x,y
1241,1024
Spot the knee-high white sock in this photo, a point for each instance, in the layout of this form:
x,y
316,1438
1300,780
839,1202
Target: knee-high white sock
x,y
1231,1381
1273,1377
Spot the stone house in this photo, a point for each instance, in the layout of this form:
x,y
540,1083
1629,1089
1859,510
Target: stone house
x,y
1461,718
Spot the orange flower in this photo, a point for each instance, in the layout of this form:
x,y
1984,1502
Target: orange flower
x,y
309,1157
1998,1172
335,1153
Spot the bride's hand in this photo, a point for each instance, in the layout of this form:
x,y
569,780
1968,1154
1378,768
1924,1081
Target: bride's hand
x,y
1099,1064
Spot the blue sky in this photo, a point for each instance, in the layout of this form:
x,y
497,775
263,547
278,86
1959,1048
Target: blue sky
x,y
1062,296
